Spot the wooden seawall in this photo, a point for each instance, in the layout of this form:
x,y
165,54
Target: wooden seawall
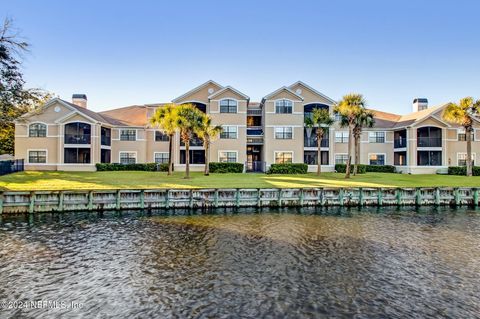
x,y
58,201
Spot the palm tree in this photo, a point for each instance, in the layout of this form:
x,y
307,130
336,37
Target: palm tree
x,y
208,133
364,119
348,109
322,120
463,114
188,120
165,117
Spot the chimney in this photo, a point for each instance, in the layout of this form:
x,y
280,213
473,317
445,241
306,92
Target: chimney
x,y
80,100
420,104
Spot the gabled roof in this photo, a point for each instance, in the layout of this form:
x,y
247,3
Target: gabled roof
x,y
133,115
196,89
283,88
228,87
313,90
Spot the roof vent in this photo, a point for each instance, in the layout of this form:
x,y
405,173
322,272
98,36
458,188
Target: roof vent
x,y
80,100
420,104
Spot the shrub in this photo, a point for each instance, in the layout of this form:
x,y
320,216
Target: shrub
x,y
462,170
294,168
342,168
126,167
381,168
163,167
217,167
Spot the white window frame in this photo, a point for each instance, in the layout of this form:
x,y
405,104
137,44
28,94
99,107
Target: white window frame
x,y
155,136
384,158
342,154
231,99
343,133
127,129
155,159
464,154
283,128
37,150
46,129
275,156
463,132
373,134
228,151
275,105
120,156
230,138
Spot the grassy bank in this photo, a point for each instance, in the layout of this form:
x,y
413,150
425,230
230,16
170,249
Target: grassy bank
x,y
132,180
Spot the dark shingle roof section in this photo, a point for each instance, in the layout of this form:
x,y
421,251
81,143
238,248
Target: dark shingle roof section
x,y
94,115
79,96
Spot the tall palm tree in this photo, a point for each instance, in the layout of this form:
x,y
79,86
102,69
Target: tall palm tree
x,y
322,120
188,120
165,117
208,133
348,109
463,114
364,119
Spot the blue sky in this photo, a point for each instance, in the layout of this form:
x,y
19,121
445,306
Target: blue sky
x,y
133,52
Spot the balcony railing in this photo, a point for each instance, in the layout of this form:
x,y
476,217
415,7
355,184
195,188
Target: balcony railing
x,y
429,142
254,111
312,142
257,140
254,131
77,139
399,143
193,142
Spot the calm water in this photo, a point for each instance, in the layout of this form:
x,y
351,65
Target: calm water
x,y
292,263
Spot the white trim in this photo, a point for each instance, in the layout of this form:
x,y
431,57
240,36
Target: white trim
x,y
228,98
228,151
335,157
283,99
120,152
384,137
236,133
283,88
283,127
37,122
37,150
473,158
297,126
343,134
313,90
275,156
228,87
196,89
77,145
384,157
154,153
128,129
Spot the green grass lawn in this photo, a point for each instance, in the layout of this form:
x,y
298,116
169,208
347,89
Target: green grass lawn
x,y
134,180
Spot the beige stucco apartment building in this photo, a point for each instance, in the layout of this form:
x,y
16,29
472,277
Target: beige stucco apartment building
x,y
69,136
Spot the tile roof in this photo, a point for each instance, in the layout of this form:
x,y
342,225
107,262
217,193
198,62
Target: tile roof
x,y
133,115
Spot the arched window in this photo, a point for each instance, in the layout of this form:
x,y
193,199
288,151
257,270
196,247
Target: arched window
x,y
228,106
77,133
283,106
37,130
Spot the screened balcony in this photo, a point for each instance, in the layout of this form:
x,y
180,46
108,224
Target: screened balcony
x,y
77,133
429,136
310,140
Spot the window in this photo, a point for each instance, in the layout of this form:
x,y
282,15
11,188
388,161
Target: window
x,y
429,158
376,159
37,130
337,117
310,157
462,159
161,157
225,156
106,136
228,106
128,157
283,106
284,133
77,133
462,136
376,137
283,157
341,137
128,135
161,136
341,158
37,156
229,132
196,156
75,155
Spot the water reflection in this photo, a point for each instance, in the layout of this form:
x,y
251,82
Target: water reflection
x,y
287,262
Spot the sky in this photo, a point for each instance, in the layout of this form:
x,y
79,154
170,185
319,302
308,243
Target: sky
x,y
121,53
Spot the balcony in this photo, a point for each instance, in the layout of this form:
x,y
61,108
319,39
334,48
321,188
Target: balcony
x,y
312,142
429,142
254,131
195,141
77,139
254,140
257,112
399,143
